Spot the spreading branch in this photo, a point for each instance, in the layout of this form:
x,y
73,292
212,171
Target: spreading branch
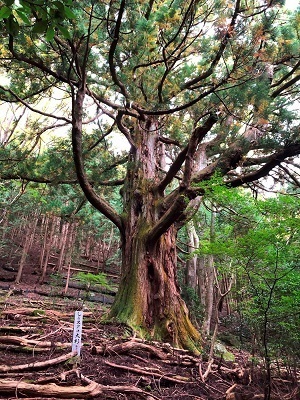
x,y
287,85
35,110
186,155
228,35
168,218
116,36
273,161
99,203
39,179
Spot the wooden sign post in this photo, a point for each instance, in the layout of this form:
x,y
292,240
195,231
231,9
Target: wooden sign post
x,y
76,344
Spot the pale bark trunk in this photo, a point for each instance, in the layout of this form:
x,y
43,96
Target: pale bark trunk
x,y
209,296
70,243
22,226
64,237
56,236
109,244
44,227
201,273
209,289
67,279
34,225
192,263
88,248
48,247
23,259
4,223
30,232
99,252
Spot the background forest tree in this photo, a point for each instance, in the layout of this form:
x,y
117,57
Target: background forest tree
x,y
202,92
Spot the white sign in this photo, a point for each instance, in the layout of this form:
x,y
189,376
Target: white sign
x,y
76,344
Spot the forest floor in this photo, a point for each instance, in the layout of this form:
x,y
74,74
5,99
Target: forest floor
x,y
36,360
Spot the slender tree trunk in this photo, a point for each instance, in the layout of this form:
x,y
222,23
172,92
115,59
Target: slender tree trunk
x,y
4,222
67,279
192,263
5,229
55,240
88,248
64,238
107,248
30,232
209,290
201,273
99,258
70,243
47,250
21,227
35,218
44,227
209,295
23,259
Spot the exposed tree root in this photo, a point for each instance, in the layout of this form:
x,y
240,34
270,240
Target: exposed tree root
x,y
92,389
37,365
23,349
229,392
20,341
151,372
126,347
204,376
166,354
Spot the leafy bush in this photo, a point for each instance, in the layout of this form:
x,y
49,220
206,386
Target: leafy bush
x,y
92,279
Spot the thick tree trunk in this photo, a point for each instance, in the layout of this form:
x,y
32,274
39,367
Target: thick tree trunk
x,y
149,296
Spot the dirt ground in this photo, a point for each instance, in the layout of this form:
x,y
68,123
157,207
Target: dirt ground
x,y
36,360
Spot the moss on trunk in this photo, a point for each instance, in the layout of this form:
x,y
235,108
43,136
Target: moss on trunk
x,y
149,298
